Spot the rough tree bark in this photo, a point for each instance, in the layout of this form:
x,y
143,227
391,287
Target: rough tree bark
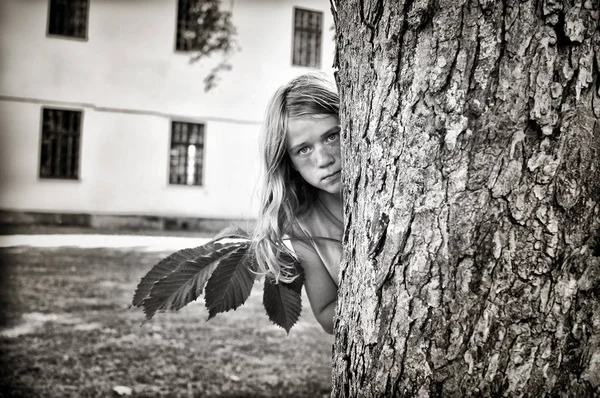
x,y
472,175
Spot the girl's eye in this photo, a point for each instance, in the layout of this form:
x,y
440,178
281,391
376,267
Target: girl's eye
x,y
303,151
333,137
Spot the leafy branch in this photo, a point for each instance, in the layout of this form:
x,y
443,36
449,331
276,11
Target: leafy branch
x,y
224,272
210,30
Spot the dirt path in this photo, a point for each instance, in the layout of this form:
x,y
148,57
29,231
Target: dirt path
x,y
147,243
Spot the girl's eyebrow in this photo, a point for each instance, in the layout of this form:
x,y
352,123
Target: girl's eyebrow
x,y
297,146
331,130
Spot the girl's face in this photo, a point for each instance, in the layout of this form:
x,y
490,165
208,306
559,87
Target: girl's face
x,y
313,145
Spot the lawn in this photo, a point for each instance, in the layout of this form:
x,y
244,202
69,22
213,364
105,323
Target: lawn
x,y
68,330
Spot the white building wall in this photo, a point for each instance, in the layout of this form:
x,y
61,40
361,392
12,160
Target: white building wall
x,y
130,84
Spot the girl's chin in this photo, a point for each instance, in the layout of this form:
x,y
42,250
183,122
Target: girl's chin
x,y
334,189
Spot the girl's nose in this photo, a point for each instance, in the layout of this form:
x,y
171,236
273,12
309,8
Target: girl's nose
x,y
323,157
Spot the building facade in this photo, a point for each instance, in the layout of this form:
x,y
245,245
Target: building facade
x,y
101,114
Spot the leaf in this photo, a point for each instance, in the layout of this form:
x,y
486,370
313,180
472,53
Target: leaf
x,y
233,232
231,282
185,284
228,271
283,301
166,266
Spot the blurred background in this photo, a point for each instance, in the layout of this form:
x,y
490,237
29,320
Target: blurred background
x,y
102,112
122,118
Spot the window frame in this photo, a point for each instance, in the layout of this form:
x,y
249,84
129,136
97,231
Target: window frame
x,y
78,153
177,50
318,54
66,37
202,174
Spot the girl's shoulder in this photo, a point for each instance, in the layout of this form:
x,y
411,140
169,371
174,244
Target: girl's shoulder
x,y
316,220
325,247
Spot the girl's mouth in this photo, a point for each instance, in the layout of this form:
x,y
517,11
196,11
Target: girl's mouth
x,y
332,176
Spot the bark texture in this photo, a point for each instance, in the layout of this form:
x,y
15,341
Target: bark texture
x,y
472,173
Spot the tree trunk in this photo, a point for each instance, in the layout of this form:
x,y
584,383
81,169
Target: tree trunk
x,y
472,190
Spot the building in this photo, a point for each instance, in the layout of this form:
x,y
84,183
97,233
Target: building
x,y
103,118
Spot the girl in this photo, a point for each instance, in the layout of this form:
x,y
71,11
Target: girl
x,y
301,166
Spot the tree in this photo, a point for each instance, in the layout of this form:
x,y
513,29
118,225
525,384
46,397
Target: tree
x,y
209,30
472,189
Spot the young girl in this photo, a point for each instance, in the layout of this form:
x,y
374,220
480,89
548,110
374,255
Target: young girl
x,y
301,195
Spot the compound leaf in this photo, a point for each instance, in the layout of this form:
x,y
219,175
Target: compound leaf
x,y
230,283
283,301
166,266
231,232
185,284
226,273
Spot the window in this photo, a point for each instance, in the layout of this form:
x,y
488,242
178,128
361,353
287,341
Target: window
x,y
187,153
184,39
68,18
61,137
308,28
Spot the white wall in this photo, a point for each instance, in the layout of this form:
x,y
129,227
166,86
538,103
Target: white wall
x,y
124,167
130,84
129,60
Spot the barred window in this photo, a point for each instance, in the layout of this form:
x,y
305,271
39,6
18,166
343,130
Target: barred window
x,y
185,36
68,18
187,153
308,29
61,137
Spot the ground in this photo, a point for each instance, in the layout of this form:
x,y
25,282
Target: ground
x,y
68,330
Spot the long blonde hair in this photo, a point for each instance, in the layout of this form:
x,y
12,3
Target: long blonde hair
x,y
285,194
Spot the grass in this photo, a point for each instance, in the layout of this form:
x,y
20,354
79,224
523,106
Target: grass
x,y
68,331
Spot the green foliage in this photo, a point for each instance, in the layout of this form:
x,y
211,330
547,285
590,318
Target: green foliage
x,y
211,31
225,273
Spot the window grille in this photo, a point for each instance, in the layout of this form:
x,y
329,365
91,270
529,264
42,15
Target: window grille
x,y
61,136
308,29
187,153
185,35
68,18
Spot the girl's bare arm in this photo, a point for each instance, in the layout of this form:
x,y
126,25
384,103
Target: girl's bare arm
x,y
320,286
